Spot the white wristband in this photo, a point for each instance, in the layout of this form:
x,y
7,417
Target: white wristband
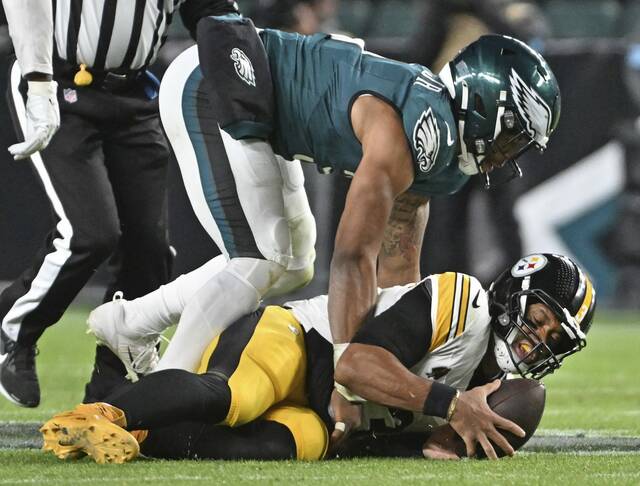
x,y
348,394
338,349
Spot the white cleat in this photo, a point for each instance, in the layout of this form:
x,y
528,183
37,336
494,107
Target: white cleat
x,y
138,353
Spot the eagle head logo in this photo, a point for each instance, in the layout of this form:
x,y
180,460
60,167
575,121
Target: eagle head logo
x,y
426,140
243,66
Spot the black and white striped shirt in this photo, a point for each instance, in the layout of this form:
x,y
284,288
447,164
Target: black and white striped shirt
x,y
121,34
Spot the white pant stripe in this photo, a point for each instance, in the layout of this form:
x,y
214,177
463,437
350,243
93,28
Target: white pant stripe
x,y
53,262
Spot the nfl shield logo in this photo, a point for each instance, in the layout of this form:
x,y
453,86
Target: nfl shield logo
x,y
70,95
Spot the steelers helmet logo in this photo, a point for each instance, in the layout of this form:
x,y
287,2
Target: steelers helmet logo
x,y
528,265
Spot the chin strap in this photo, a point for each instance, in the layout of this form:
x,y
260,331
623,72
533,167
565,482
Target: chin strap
x,y
468,163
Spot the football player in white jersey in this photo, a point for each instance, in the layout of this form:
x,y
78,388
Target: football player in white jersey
x,y
431,354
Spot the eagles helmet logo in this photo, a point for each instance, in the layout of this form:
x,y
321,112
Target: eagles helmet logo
x,y
532,108
243,66
426,140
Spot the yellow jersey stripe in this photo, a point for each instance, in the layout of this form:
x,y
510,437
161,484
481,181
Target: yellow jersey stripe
x,y
586,303
464,303
446,293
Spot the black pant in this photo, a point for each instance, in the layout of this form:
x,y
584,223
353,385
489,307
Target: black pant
x,y
105,175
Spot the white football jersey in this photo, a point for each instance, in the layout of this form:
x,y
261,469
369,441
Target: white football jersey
x,y
314,313
460,333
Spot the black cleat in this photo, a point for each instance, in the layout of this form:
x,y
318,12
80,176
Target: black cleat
x,y
18,378
109,375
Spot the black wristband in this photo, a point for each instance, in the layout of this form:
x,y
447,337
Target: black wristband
x,y
438,400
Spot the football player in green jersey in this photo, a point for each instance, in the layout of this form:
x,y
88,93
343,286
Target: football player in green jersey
x,y
237,114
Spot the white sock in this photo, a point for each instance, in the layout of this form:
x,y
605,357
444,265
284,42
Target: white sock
x,y
158,310
220,302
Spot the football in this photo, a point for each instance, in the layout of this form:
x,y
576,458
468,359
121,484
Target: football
x,y
520,400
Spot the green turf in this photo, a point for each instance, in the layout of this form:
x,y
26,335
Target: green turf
x,y
597,391
32,467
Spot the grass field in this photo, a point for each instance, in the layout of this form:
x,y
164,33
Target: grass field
x,y
595,397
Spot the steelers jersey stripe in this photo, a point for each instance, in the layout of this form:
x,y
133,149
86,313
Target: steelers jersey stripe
x,y
464,304
586,303
455,308
446,289
460,303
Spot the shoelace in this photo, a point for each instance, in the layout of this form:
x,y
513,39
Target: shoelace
x,y
24,357
147,358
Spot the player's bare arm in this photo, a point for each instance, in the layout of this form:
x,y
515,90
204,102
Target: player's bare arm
x,y
399,259
384,172
375,374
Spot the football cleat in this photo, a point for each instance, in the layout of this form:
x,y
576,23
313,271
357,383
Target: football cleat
x,y
18,378
90,429
138,353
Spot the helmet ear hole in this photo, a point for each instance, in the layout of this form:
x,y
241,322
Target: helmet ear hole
x,y
478,106
507,52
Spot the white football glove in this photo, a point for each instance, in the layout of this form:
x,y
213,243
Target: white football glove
x,y
43,119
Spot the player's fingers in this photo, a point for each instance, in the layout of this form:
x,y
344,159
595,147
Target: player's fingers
x,y
505,424
340,427
470,445
501,442
488,448
439,453
493,386
339,432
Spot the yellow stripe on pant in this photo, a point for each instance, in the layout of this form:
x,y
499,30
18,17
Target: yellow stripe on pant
x,y
272,367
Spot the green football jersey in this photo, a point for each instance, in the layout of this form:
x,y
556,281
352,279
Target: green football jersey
x,y
316,80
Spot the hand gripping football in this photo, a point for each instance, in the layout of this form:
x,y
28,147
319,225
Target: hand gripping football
x,y
520,400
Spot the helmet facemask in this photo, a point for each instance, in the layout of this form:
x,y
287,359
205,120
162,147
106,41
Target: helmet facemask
x,y
499,152
517,347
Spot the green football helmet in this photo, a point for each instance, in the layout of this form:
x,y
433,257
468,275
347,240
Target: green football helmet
x,y
507,100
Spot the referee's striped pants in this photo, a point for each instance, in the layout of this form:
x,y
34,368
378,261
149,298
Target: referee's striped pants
x,y
104,174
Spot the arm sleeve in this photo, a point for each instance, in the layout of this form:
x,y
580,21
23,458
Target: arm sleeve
x,y
192,11
31,29
404,329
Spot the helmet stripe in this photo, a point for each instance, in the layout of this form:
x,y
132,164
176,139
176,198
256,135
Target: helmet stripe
x,y
586,303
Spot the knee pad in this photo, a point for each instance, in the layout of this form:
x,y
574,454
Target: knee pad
x,y
303,241
260,274
292,280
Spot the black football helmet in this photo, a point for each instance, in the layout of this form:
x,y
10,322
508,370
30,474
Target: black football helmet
x,y
560,284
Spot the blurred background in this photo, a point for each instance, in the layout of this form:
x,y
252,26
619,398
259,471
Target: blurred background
x,y
581,197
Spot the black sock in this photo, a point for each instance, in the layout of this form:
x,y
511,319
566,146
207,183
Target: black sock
x,y
260,439
172,396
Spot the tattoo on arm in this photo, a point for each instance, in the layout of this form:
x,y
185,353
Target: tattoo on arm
x,y
405,229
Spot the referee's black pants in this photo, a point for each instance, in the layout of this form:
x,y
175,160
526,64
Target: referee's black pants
x,y
104,173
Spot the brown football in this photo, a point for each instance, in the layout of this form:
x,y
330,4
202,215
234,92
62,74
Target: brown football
x,y
520,400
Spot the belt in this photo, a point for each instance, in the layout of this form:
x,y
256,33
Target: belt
x,y
112,81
